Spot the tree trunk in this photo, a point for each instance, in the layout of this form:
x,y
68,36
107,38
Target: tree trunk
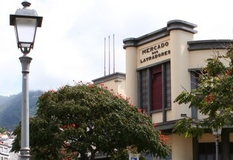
x,y
93,155
83,156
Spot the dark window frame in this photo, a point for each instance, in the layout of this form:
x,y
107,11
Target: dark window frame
x,y
145,79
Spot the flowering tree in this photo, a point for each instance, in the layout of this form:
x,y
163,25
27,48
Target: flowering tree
x,y
84,119
213,97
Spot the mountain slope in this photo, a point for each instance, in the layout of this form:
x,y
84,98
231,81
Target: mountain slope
x,y
10,109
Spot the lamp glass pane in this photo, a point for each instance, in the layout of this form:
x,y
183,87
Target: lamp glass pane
x,y
26,30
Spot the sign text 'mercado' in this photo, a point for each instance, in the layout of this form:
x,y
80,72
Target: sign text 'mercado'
x,y
155,47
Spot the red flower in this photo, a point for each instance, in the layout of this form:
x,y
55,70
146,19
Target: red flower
x,y
65,126
209,98
90,85
52,90
163,138
228,72
68,126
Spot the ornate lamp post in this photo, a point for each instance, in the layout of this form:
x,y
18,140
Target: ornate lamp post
x,y
25,22
217,133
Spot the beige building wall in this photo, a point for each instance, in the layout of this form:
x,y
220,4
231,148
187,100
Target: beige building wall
x,y
198,58
115,82
207,138
117,85
180,78
131,87
181,148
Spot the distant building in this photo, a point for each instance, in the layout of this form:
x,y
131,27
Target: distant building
x,y
5,147
4,151
3,137
159,65
114,81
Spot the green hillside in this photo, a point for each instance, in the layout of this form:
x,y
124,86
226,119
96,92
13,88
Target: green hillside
x,y
10,109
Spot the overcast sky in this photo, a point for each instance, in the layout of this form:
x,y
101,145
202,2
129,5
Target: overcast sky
x,y
70,44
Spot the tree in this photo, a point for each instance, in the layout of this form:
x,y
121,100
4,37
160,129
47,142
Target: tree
x,y
85,119
2,130
213,97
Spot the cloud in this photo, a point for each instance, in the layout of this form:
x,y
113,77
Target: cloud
x,y
70,44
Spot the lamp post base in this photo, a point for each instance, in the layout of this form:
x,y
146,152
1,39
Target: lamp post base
x,y
24,153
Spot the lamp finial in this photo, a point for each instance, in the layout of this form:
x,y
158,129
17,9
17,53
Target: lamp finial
x,y
26,4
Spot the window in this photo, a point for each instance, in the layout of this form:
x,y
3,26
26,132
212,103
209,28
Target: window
x,y
155,87
194,78
144,90
194,84
207,151
5,149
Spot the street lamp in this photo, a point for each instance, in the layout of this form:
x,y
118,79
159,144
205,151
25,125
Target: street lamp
x,y
25,22
216,133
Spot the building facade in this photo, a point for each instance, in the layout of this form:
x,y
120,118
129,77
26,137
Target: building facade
x,y
4,151
114,81
159,66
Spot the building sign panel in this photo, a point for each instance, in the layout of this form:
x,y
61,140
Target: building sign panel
x,y
154,52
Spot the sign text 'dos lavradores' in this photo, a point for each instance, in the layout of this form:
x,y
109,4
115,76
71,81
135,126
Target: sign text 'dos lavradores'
x,y
155,51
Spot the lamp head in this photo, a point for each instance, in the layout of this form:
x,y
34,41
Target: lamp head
x,y
25,22
217,131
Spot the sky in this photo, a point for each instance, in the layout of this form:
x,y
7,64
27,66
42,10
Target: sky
x,y
69,47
